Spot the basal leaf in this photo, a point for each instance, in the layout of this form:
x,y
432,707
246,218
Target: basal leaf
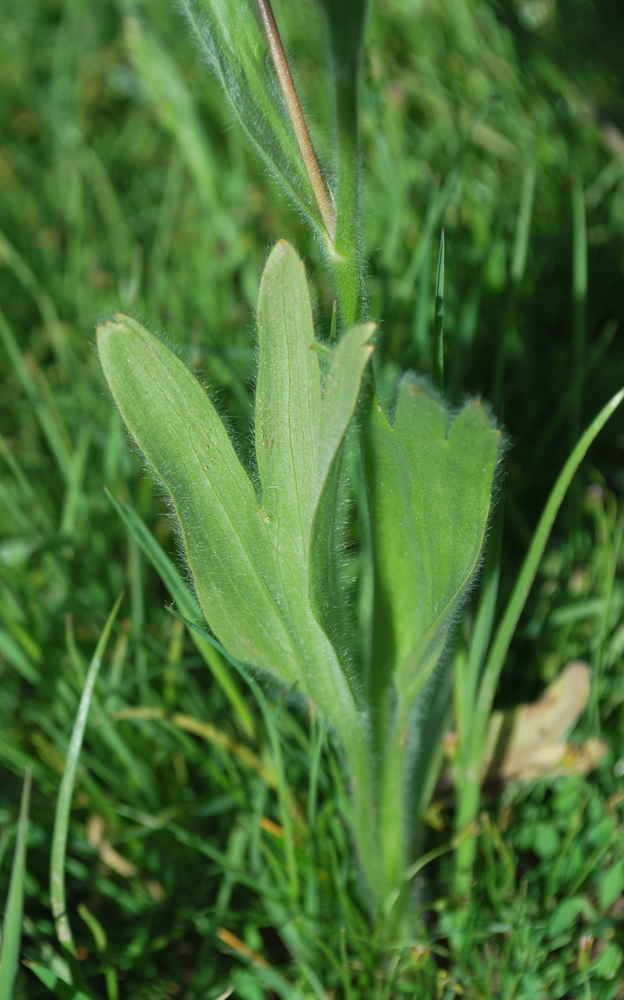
x,y
430,479
327,586
225,539
288,398
300,424
250,557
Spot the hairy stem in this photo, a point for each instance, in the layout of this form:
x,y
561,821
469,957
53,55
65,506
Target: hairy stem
x,y
347,262
346,36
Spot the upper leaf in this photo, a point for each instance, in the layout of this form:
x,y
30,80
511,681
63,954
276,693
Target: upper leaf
x,y
235,44
430,479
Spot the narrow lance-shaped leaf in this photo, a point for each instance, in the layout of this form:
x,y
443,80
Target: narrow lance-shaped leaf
x,y
292,463
300,425
249,556
225,538
327,586
232,38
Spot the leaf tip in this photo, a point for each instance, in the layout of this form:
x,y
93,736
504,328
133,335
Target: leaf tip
x,y
102,330
283,249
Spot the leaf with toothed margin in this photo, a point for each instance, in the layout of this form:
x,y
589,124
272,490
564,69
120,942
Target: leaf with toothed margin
x,y
430,478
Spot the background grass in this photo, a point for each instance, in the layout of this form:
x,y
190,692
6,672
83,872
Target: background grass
x,y
125,184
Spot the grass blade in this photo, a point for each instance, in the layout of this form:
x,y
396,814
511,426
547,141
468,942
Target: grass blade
x,y
280,776
55,984
469,791
63,806
579,305
438,323
12,927
525,579
49,420
189,607
516,274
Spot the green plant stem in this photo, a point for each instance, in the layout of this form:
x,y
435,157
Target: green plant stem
x,y
346,257
392,822
364,818
341,225
353,734
346,34
297,118
470,783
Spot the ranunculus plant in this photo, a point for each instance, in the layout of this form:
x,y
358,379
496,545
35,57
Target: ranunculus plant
x,y
265,546
264,551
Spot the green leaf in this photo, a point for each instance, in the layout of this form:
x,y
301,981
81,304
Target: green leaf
x,y
225,538
430,479
612,885
164,88
250,555
12,926
234,42
55,984
609,963
565,916
60,831
188,605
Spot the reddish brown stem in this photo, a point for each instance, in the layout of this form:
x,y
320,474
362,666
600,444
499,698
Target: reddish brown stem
x,y
296,117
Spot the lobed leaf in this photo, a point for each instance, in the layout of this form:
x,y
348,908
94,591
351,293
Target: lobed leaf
x,y
430,480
